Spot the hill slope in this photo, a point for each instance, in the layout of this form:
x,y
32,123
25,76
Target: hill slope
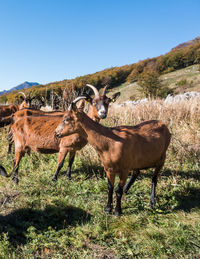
x,y
182,80
181,57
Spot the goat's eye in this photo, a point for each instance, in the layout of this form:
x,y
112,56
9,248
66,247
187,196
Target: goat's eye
x,y
95,104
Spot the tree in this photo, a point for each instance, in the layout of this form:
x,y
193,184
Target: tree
x,y
3,99
151,85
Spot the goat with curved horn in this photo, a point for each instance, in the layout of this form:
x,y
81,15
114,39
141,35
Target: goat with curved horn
x,y
121,149
46,143
75,101
8,110
22,94
104,89
96,92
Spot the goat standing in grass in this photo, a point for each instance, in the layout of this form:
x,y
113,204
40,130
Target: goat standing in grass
x,y
121,149
36,133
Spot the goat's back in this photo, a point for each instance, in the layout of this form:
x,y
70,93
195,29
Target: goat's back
x,y
138,147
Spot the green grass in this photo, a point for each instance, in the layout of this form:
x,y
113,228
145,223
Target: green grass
x,y
65,219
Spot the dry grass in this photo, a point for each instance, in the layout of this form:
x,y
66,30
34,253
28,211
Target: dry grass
x,y
182,118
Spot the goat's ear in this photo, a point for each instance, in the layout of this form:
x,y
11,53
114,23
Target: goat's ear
x,y
21,98
115,97
74,107
81,105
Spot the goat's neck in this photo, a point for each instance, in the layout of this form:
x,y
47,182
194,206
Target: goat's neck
x,y
20,106
97,135
91,113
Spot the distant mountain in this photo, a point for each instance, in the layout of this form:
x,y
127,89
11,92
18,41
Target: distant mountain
x,y
20,87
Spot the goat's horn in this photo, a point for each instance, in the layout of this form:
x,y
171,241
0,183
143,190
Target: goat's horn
x,y
104,90
96,92
75,101
70,107
22,94
79,98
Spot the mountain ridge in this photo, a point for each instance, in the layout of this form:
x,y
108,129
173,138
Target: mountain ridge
x,y
22,86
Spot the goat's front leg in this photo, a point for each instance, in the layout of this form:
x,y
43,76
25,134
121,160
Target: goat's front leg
x,y
119,193
111,181
71,160
18,157
61,157
10,141
9,147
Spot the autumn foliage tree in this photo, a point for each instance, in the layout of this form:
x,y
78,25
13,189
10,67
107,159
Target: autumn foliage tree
x,y
151,85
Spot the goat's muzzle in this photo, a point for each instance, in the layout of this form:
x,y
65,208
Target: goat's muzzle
x,y
102,115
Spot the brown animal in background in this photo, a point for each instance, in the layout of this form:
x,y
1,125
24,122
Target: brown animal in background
x,y
22,113
37,133
7,110
121,149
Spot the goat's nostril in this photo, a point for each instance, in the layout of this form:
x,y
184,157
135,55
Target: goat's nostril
x,y
102,115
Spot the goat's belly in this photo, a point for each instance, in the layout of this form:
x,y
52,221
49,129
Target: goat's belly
x,y
145,163
45,147
47,151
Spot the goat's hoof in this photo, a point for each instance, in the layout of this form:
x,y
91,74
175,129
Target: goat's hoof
x,y
125,191
54,179
69,178
108,210
3,171
152,204
15,180
118,213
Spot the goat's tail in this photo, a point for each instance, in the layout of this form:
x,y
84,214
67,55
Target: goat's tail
x,y
6,121
3,171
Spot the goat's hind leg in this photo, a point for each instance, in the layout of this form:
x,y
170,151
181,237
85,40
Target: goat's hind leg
x,y
154,184
131,180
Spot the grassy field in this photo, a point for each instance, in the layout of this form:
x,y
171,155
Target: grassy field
x,y
65,219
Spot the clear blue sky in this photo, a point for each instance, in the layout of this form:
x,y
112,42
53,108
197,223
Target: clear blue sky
x,y
50,40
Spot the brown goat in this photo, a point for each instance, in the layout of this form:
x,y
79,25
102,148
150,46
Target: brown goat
x,y
121,149
27,112
7,110
37,133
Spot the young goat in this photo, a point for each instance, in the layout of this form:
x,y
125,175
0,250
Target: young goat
x,y
37,133
121,149
7,110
